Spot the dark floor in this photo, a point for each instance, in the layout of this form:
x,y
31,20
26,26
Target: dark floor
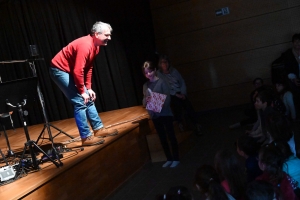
x,y
152,179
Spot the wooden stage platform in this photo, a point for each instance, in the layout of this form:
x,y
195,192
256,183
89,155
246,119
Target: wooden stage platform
x,y
93,173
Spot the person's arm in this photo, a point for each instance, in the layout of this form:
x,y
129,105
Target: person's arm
x,y
145,95
79,67
181,81
290,104
88,70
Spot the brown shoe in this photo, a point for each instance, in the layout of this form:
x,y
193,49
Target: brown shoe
x,y
103,132
91,140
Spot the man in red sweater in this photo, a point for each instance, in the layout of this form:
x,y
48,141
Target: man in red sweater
x,y
71,69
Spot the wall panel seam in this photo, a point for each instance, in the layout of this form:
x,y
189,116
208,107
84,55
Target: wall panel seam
x,y
234,21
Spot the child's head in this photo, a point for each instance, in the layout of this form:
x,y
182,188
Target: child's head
x,y
295,37
247,146
281,86
264,99
257,82
148,70
278,127
260,190
270,160
207,182
296,41
284,149
230,168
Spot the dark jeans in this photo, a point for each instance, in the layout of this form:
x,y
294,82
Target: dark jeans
x,y
164,128
178,104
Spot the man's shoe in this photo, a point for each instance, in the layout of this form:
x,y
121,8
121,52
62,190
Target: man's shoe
x,y
103,132
91,140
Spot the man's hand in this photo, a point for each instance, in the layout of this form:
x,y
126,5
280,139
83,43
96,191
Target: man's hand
x,y
92,94
85,97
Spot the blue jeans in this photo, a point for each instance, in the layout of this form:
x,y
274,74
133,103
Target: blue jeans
x,y
82,112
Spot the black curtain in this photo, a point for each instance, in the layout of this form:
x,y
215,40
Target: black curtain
x,y
51,25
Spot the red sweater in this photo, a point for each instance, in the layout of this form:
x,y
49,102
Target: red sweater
x,y
77,59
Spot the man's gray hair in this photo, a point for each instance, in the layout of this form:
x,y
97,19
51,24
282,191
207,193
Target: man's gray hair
x,y
98,27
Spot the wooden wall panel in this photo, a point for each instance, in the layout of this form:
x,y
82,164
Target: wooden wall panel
x,y
295,20
194,14
218,56
292,3
231,69
230,38
162,3
173,20
223,97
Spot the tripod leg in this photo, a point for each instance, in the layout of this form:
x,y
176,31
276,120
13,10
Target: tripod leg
x,y
60,131
53,147
20,166
53,161
41,134
10,152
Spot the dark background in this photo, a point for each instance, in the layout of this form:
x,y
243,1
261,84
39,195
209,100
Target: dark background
x,y
51,25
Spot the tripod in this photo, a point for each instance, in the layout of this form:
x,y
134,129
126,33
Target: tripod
x,y
47,125
30,144
24,89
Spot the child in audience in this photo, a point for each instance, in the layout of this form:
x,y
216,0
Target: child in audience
x,y
251,113
263,105
291,164
208,183
260,190
231,173
271,162
287,98
248,148
163,121
279,129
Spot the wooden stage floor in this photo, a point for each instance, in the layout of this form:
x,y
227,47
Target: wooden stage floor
x,y
92,173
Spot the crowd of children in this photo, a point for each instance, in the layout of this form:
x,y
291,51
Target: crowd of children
x,y
272,168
